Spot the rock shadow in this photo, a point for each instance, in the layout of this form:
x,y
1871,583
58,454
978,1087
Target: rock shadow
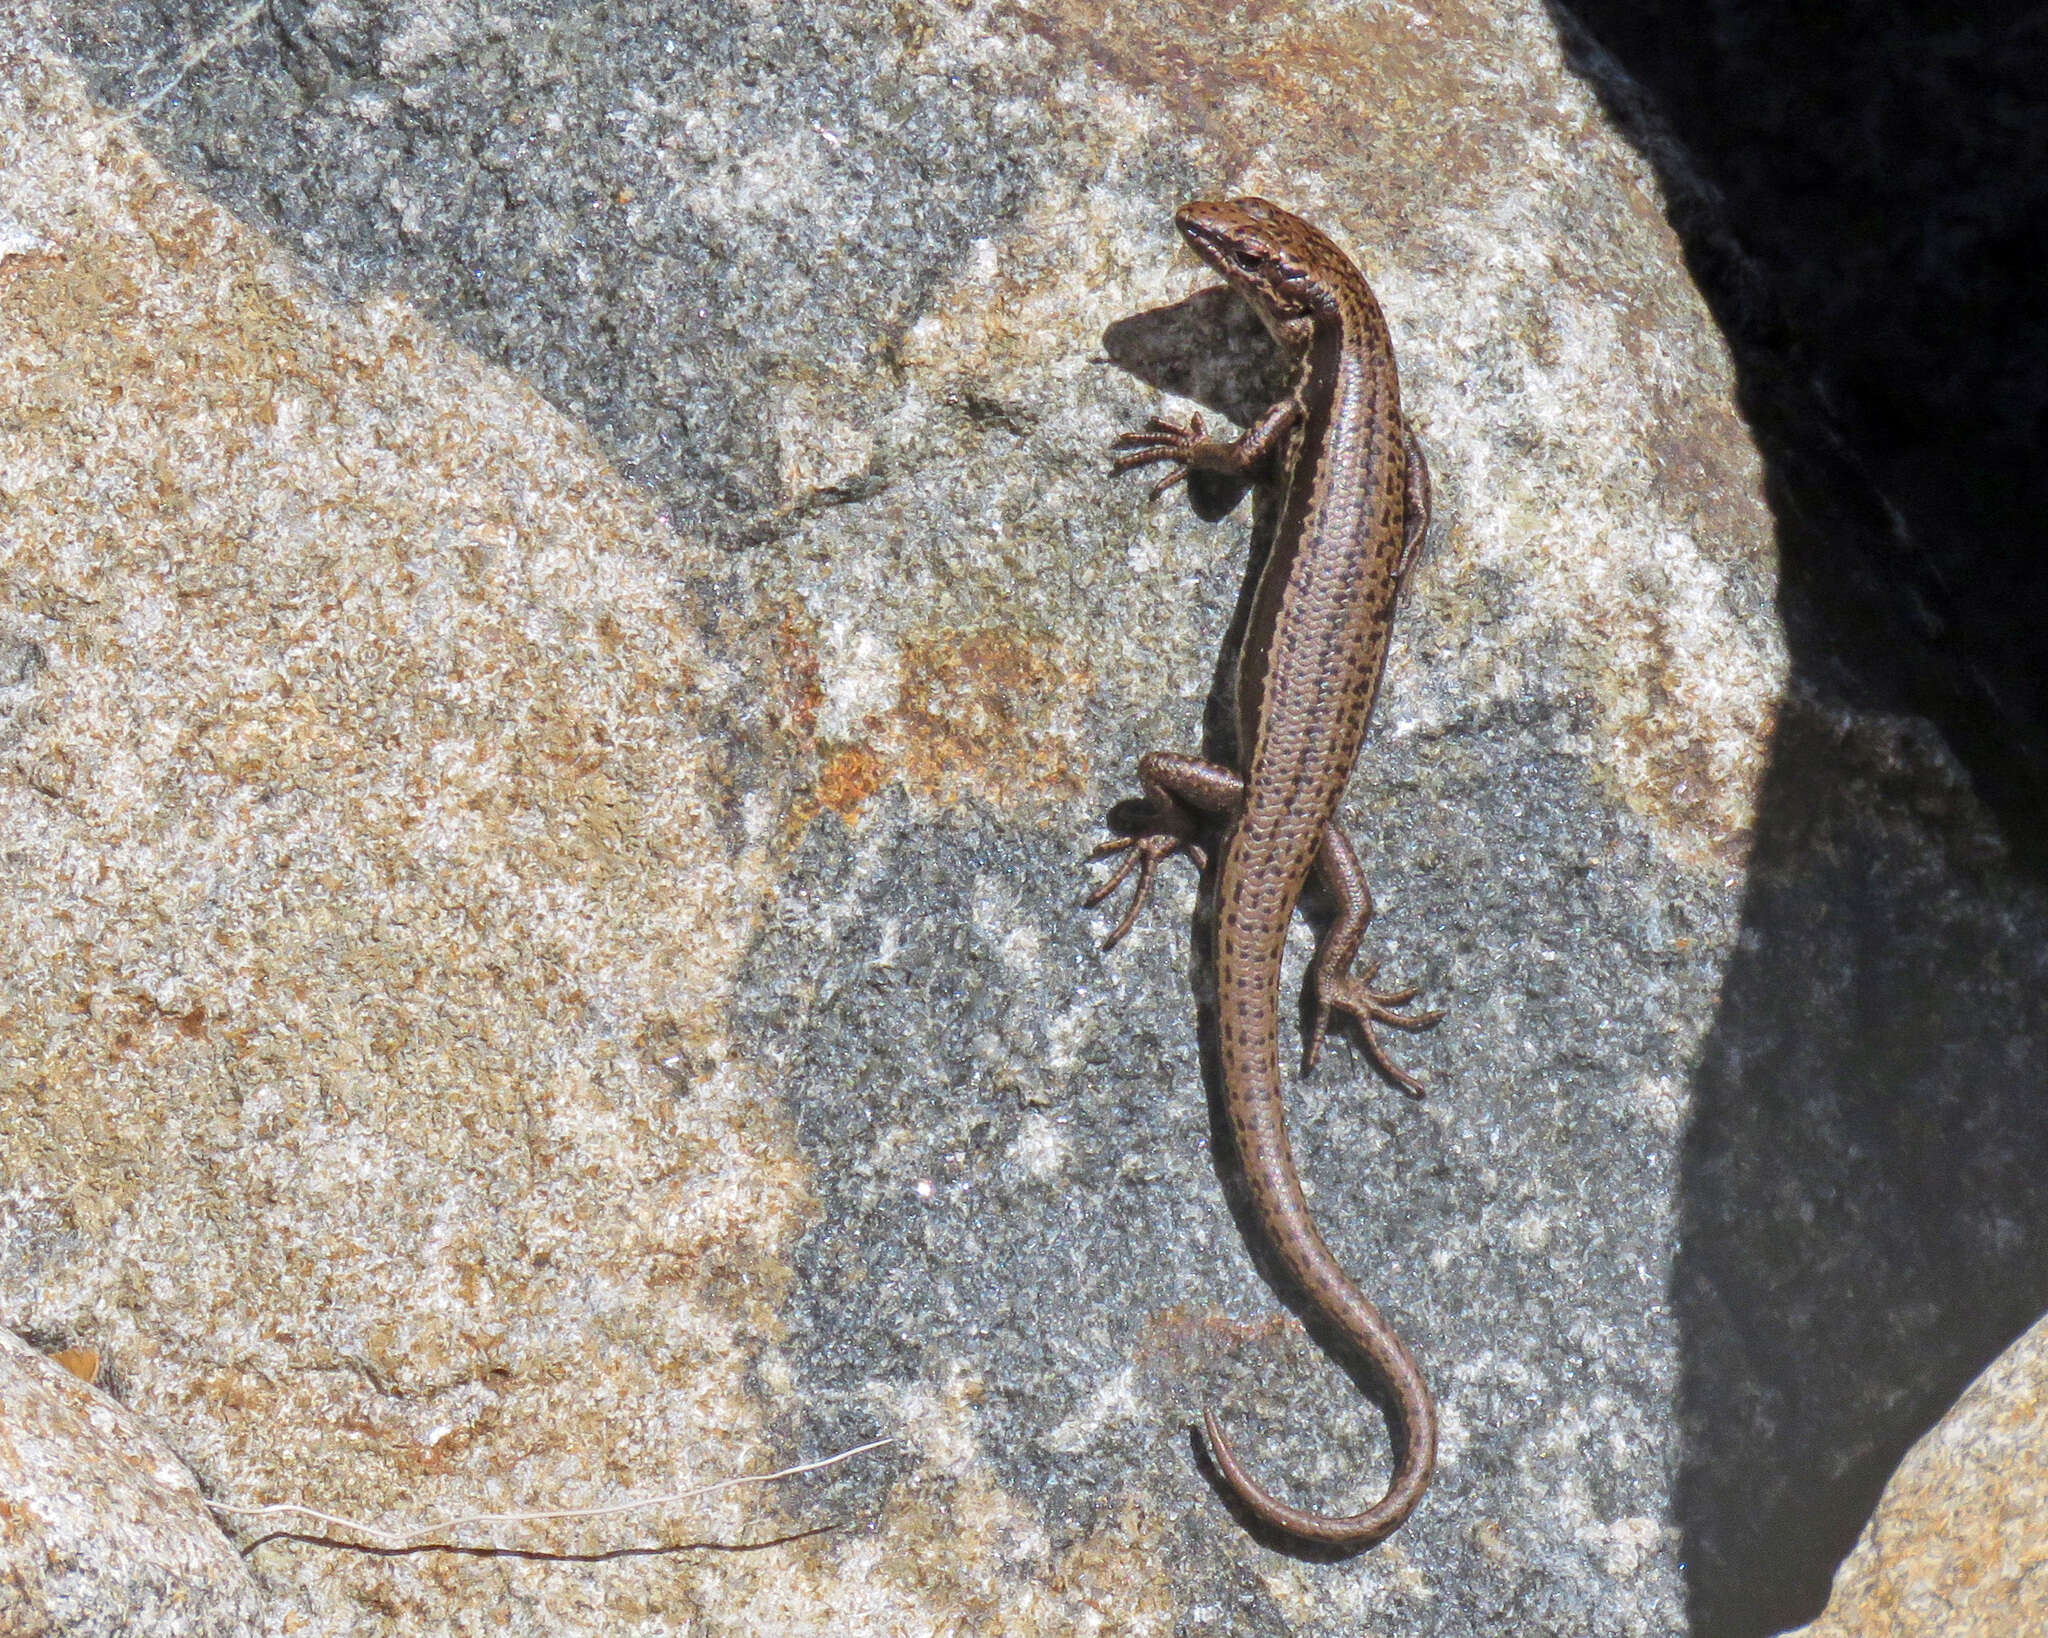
x,y
1863,1216
1863,1213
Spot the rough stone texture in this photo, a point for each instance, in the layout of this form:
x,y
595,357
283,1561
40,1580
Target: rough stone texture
x,y
1862,195
102,1533
1864,1220
370,906
1956,1548
531,997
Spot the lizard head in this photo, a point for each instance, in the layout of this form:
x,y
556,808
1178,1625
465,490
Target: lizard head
x,y
1280,264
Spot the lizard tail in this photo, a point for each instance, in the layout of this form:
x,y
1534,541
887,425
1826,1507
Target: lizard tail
x,y
1259,1131
1411,1420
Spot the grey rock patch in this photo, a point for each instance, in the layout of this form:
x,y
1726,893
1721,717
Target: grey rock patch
x,y
1011,1141
666,216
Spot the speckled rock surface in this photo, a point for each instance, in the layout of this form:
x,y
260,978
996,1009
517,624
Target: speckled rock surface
x,y
551,741
1864,1221
1956,1548
371,906
102,1533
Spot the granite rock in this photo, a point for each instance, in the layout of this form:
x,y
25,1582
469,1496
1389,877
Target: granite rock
x,y
569,637
372,907
1865,1226
1861,196
1956,1547
102,1533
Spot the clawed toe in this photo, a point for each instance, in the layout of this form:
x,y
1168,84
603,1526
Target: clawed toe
x,y
1365,1006
1146,861
1158,440
1159,430
1142,854
1415,1020
1125,845
1153,434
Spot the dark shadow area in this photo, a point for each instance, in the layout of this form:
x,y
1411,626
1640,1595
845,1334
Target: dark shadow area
x,y
1862,195
1863,1211
1209,346
1212,348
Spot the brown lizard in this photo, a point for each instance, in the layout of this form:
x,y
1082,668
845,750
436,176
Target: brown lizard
x,y
1353,499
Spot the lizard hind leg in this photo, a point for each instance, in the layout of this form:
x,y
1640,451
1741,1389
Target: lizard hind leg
x,y
1333,988
1183,797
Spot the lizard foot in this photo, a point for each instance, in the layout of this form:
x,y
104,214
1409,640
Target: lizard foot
x,y
1142,853
1160,440
1366,1006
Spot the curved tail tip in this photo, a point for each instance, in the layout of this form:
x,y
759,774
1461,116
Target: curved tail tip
x,y
1325,1532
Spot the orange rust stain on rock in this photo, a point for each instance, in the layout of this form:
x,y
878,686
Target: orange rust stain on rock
x,y
1356,81
1672,770
24,263
800,690
83,1363
1185,1333
184,231
849,779
1684,791
975,712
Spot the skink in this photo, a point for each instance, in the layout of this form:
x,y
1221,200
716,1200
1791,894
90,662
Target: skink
x,y
1353,498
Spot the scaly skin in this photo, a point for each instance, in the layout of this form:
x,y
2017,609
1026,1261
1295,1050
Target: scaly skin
x,y
1354,505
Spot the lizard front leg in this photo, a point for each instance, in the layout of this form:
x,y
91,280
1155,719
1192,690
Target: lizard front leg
x,y
1253,454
